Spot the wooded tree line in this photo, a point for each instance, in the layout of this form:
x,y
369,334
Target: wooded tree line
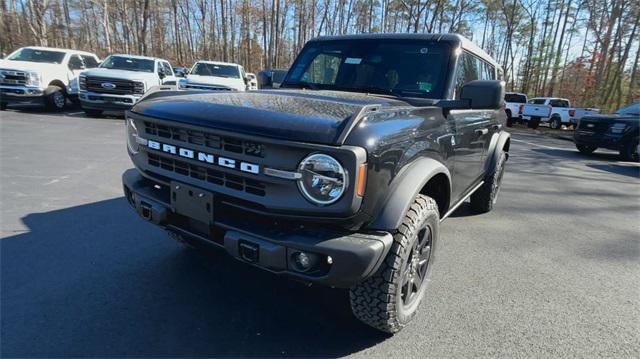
x,y
585,50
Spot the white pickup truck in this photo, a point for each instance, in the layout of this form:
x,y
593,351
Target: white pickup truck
x,y
120,82
213,75
554,111
513,101
42,75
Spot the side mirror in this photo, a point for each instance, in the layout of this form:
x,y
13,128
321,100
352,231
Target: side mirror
x,y
161,74
483,94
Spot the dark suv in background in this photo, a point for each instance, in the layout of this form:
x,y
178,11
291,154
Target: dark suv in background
x,y
618,131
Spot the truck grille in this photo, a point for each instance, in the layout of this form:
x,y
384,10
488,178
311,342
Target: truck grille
x,y
205,139
593,126
13,77
220,178
116,86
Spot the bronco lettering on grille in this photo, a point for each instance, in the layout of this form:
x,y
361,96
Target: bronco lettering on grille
x,y
204,157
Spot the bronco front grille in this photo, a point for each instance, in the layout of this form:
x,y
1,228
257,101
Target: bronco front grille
x,y
205,139
113,86
13,77
210,175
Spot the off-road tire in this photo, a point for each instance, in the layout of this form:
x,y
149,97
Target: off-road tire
x,y
630,151
555,123
587,150
485,197
377,301
91,112
55,99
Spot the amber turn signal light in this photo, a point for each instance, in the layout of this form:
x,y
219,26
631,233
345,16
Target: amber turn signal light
x,y
362,179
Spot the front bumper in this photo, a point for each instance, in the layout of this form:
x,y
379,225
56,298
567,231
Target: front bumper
x,y
589,138
354,256
21,95
107,102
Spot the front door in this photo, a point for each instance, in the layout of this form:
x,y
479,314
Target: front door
x,y
472,133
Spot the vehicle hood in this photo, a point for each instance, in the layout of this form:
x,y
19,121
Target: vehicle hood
x,y
39,67
122,74
612,118
295,115
218,81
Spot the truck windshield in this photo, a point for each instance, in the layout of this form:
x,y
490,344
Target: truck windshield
x,y
33,55
128,64
204,69
406,68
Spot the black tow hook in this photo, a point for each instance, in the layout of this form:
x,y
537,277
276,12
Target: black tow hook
x,y
145,211
249,251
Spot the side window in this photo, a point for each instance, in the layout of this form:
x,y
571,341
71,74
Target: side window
x,y
468,70
489,72
167,69
323,69
89,61
537,101
75,63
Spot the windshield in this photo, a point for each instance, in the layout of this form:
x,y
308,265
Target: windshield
x,y
204,69
514,97
633,109
128,63
399,67
33,55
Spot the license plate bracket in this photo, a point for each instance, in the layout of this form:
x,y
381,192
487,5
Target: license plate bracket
x,y
192,202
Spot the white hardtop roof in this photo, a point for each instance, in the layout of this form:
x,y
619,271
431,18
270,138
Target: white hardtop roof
x,y
548,98
217,63
60,50
139,57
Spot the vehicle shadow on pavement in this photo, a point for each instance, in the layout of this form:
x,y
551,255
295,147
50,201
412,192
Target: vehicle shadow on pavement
x,y
95,280
573,154
70,110
620,169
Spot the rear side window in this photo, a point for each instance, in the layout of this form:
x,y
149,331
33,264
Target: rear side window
x,y
513,97
89,61
559,103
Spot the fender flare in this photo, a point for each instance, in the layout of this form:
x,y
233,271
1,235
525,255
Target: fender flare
x,y
48,90
498,142
404,189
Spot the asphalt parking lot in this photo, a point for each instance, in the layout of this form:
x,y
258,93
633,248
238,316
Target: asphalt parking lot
x,y
554,271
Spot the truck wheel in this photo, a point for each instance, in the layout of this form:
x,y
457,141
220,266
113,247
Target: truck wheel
x,y
389,299
485,197
587,150
630,151
56,99
555,123
91,112
509,119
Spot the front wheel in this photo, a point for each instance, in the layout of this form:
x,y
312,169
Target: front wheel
x,y
56,99
630,151
555,123
389,299
587,150
485,197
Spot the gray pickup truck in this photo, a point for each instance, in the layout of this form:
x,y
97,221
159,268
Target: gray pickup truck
x,y
342,176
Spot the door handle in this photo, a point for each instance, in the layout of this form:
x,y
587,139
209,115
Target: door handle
x,y
482,131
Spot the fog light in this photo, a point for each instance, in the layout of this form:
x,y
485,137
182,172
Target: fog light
x,y
329,260
302,260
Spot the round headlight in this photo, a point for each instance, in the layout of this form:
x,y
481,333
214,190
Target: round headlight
x,y
323,180
132,136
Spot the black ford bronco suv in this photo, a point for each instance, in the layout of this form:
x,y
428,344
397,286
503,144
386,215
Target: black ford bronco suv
x,y
340,177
